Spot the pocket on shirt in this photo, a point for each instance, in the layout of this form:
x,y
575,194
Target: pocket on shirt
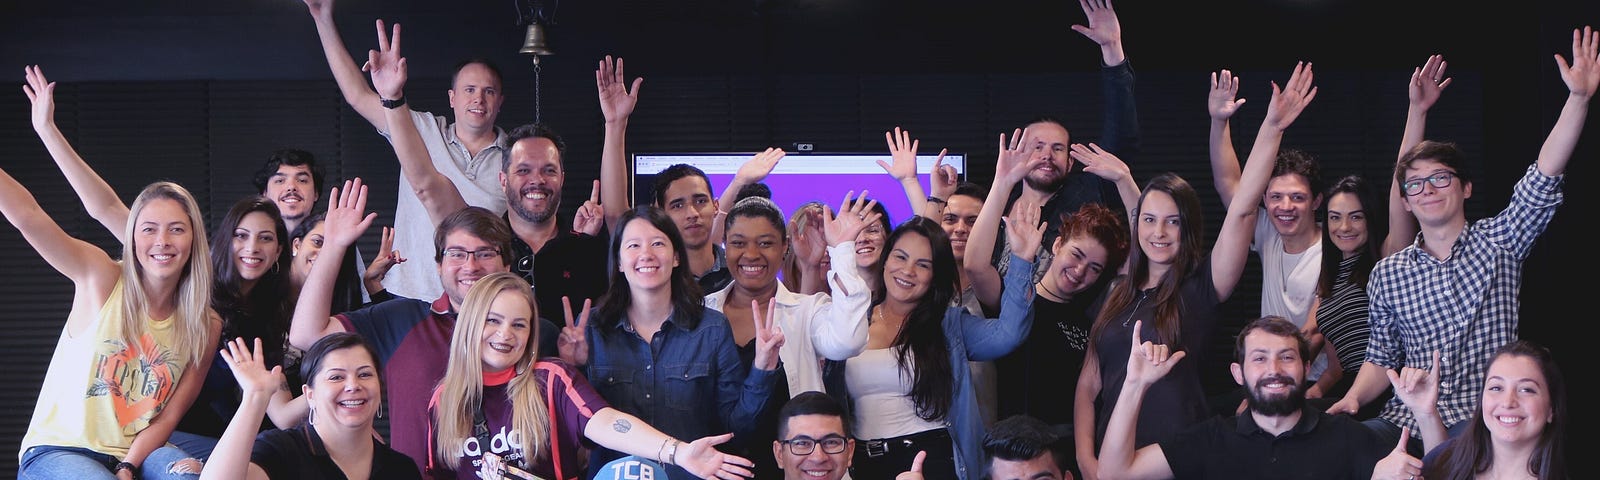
x,y
613,382
689,386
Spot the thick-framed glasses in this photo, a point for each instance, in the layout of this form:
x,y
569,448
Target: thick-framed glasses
x,y
1438,180
458,255
803,445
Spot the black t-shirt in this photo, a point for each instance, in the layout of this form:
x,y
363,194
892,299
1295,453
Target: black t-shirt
x,y
1040,377
298,453
1320,446
571,265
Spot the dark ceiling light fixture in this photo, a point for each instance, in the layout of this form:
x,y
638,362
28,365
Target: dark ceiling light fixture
x,y
536,14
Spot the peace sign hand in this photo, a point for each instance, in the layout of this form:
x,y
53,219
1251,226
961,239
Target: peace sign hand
x,y
769,336
573,346
387,67
590,217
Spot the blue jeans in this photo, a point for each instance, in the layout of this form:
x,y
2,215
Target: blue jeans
x,y
197,446
73,463
1391,433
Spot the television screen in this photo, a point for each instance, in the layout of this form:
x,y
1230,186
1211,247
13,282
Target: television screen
x,y
799,177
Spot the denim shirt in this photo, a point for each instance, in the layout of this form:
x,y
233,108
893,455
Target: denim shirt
x,y
687,382
969,337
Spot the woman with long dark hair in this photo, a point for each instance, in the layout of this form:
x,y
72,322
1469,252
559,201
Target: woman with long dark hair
x,y
911,390
1353,223
1519,428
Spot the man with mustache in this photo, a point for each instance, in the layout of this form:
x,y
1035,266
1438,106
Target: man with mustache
x,y
290,178
1278,437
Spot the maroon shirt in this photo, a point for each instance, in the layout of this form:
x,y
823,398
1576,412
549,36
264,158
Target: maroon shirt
x,y
569,402
412,339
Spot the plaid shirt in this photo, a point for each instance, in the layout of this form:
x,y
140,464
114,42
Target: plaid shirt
x,y
1464,306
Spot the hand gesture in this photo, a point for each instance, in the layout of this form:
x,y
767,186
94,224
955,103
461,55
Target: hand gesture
x,y
1024,230
251,370
590,217
320,9
1399,465
702,459
942,180
573,345
345,221
616,99
1583,74
1223,101
1099,162
1287,102
387,258
1346,405
387,67
903,152
1103,29
757,168
769,336
854,216
42,93
810,242
915,473
1014,161
1418,388
1148,361
1427,82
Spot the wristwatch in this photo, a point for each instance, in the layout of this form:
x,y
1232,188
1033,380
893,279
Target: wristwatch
x,y
393,104
131,468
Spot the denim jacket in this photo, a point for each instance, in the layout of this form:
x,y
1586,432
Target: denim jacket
x,y
970,337
687,383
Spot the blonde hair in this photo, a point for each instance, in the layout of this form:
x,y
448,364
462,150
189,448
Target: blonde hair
x,y
462,386
193,312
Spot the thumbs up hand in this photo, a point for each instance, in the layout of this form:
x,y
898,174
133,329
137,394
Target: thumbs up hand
x,y
1399,465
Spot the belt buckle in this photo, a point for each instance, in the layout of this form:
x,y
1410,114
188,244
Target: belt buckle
x,y
877,448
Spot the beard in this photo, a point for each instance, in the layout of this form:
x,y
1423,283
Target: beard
x,y
514,202
1281,406
1046,185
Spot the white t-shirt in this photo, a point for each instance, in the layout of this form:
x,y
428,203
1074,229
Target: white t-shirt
x,y
1288,281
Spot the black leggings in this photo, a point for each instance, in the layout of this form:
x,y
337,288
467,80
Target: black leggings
x,y
887,457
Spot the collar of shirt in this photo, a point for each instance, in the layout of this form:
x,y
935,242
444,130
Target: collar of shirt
x,y
719,299
671,323
442,306
500,137
1246,423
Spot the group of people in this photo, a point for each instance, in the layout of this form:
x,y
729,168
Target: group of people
x,y
1048,325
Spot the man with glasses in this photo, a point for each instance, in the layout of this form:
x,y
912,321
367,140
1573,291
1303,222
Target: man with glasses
x,y
410,336
1454,291
812,440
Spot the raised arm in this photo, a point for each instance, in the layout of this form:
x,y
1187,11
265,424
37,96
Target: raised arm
x,y
1147,363
903,167
344,223
941,186
1221,104
1232,248
98,198
437,193
991,338
616,104
1011,165
86,264
750,172
1582,77
1103,29
1427,82
839,331
230,459
352,84
1102,163
613,429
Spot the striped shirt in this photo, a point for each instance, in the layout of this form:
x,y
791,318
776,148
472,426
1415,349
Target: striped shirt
x,y
1464,306
1342,318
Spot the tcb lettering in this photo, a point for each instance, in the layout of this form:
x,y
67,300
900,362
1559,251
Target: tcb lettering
x,y
632,470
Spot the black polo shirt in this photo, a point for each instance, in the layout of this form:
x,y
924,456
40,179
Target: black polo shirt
x,y
298,453
1320,446
571,264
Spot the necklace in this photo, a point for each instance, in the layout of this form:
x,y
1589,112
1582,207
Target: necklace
x,y
1053,295
1135,308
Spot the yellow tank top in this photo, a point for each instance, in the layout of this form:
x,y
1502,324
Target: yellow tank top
x,y
100,392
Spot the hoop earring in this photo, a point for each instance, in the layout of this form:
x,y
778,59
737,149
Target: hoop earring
x,y
311,419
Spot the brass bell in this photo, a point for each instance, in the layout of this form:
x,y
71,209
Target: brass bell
x,y
534,42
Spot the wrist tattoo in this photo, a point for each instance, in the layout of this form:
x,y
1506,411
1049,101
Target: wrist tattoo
x,y
621,426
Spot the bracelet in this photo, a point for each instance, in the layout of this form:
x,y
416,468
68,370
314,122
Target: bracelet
x,y
934,199
672,454
392,104
131,468
661,450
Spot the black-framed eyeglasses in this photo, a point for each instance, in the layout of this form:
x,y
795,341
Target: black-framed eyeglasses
x,y
803,445
1438,180
458,255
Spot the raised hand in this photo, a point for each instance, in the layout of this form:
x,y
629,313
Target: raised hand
x,y
345,221
1418,388
769,336
590,217
1148,361
1103,28
1014,161
915,473
1223,101
616,99
942,180
251,370
757,168
702,459
854,216
1289,101
810,242
1427,82
387,67
1399,465
903,152
573,346
387,258
42,93
1583,74
1099,162
1024,230
320,9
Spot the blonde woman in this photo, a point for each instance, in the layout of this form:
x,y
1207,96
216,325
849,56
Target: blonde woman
x,y
509,413
135,346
